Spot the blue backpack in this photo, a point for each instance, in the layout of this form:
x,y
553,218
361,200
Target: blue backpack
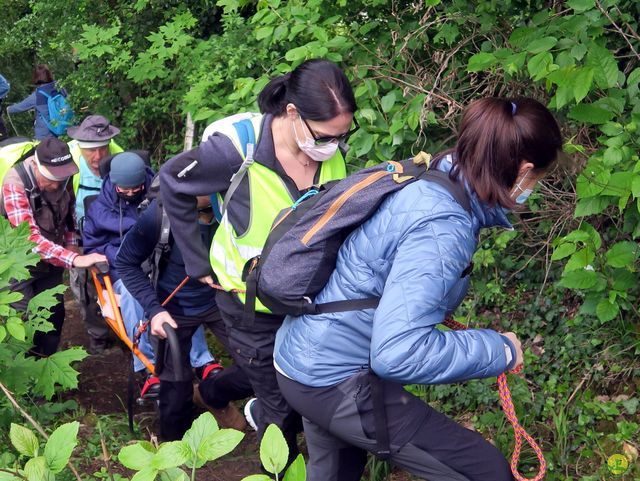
x,y
60,112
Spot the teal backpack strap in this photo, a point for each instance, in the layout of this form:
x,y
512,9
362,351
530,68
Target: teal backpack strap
x,y
44,93
247,137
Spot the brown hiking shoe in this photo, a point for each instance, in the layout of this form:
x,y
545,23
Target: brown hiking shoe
x,y
227,417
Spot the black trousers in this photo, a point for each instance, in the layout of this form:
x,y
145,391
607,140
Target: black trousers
x,y
43,276
339,426
176,397
252,349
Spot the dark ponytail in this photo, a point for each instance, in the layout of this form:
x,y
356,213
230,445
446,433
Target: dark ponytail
x,y
495,136
318,88
272,97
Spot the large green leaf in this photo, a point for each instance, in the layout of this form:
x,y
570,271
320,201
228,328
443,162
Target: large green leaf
x,y
579,279
563,250
56,370
171,455
481,61
607,310
622,254
137,456
538,65
580,259
60,445
274,451
541,45
592,205
582,83
36,470
590,114
604,66
297,471
220,443
197,437
388,101
581,5
24,440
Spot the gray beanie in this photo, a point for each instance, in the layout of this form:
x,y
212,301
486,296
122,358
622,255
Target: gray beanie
x,y
128,170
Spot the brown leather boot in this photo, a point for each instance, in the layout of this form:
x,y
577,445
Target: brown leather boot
x,y
227,417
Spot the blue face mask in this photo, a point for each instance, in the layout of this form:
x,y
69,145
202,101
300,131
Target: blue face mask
x,y
524,195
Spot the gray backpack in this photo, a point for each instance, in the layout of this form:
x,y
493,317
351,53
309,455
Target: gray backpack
x,y
301,250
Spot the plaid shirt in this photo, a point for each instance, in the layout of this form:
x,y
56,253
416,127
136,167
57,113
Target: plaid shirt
x,y
16,204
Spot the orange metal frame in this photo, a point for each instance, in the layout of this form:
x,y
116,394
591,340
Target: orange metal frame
x,y
117,325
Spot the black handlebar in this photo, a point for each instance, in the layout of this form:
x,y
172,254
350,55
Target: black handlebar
x,y
102,267
174,349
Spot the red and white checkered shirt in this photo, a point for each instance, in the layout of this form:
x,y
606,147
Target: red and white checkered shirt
x,y
18,209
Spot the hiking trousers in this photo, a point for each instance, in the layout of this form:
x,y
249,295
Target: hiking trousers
x,y
252,349
339,427
176,397
44,276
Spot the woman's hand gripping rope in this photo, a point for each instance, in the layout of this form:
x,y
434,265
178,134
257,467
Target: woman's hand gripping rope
x,y
509,410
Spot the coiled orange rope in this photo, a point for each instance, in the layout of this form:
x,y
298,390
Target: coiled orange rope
x,y
519,432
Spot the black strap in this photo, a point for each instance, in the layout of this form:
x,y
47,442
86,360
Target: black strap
x,y
344,306
35,199
249,317
87,187
453,187
383,450
162,243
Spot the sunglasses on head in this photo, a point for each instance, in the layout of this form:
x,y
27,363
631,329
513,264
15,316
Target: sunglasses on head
x,y
325,139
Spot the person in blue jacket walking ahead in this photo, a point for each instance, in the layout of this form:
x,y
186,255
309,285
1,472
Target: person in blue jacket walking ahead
x,y
37,100
414,253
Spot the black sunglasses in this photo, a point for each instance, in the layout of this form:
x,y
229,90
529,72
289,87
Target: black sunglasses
x,y
325,139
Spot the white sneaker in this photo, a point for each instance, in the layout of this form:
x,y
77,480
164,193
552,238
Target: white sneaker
x,y
249,415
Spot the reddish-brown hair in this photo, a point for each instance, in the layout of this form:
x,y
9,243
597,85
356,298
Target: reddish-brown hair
x,y
41,75
495,135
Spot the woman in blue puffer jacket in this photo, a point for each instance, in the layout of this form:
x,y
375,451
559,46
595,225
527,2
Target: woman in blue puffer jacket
x,y
414,253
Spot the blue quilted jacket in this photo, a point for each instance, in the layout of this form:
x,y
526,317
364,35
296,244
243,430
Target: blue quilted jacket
x,y
411,253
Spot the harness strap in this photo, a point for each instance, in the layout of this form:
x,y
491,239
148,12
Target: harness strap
x,y
247,137
383,449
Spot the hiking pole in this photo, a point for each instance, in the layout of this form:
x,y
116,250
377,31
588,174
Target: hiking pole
x,y
11,122
509,411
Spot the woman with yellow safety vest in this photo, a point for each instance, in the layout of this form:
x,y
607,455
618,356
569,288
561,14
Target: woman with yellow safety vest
x,y
256,165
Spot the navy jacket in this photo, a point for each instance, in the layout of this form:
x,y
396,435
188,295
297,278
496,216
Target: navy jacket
x,y
107,221
138,245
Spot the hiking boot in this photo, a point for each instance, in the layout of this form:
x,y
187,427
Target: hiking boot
x,y
249,414
209,368
150,389
227,417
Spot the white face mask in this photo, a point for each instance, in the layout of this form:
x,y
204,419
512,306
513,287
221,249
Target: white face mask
x,y
319,153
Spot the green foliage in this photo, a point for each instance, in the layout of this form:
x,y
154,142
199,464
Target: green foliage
x,y
202,443
568,274
39,467
274,453
21,373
